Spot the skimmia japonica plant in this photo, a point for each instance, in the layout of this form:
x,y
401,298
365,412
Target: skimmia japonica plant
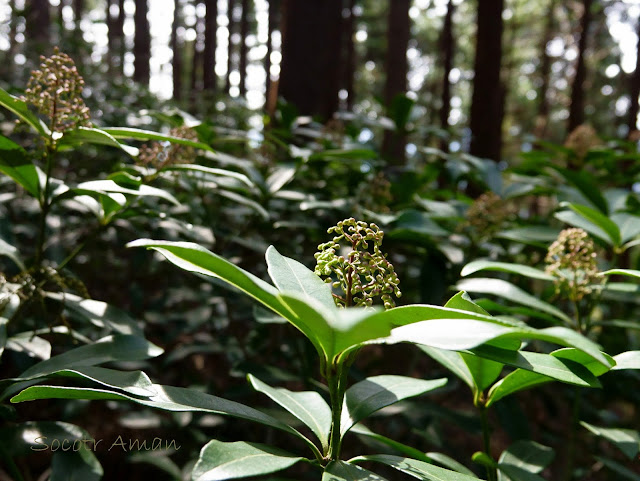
x,y
462,336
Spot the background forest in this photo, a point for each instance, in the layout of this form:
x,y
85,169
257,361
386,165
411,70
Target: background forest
x,y
174,263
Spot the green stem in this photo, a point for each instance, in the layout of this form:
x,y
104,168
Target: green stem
x,y
486,437
337,387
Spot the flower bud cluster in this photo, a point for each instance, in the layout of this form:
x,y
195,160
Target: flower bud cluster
x,y
488,212
582,139
55,90
363,273
374,193
572,260
163,154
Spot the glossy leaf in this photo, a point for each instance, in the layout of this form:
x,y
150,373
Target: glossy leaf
x,y
11,252
563,364
308,407
628,224
453,361
618,468
219,461
626,440
20,108
289,275
594,217
201,169
167,398
506,290
519,269
417,469
109,187
91,135
527,455
627,360
377,392
622,272
341,471
138,134
15,162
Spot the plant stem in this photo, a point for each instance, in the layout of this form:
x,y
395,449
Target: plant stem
x,y
486,437
337,386
45,205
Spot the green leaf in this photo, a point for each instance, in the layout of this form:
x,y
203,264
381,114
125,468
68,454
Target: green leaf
x,y
194,258
567,365
463,302
534,235
109,186
12,253
618,468
592,216
86,135
138,134
21,109
629,225
289,275
98,313
133,382
506,290
167,398
453,361
112,348
219,461
527,455
508,472
626,440
341,471
417,469
71,466
586,184
622,272
520,269
627,360
377,392
308,407
194,168
29,437
15,162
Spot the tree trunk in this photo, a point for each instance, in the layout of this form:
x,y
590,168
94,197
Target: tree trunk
x,y
38,20
576,109
267,59
78,12
231,4
396,66
141,43
542,119
486,101
350,61
244,32
197,58
119,35
209,61
310,70
446,47
13,31
632,120
176,48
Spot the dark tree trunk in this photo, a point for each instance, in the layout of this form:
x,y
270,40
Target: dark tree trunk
x,y
446,47
244,32
632,119
176,48
13,31
486,101
197,58
141,43
576,109
310,70
78,12
545,73
119,35
209,61
267,59
231,5
396,66
350,60
38,21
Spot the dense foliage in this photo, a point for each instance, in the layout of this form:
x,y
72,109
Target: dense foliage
x,y
527,373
